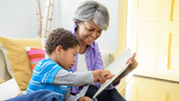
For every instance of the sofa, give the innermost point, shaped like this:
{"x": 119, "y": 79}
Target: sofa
{"x": 15, "y": 62}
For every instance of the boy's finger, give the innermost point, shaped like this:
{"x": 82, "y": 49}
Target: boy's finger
{"x": 99, "y": 80}
{"x": 109, "y": 76}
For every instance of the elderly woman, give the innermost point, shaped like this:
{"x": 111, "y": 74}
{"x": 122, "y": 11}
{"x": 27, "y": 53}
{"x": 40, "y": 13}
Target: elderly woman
{"x": 90, "y": 19}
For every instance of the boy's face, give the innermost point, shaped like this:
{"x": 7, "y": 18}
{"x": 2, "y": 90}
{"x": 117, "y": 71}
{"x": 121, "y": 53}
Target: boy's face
{"x": 67, "y": 58}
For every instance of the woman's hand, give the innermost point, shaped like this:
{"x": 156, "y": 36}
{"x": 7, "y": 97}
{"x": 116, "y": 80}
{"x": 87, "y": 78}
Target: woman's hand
{"x": 132, "y": 65}
{"x": 132, "y": 62}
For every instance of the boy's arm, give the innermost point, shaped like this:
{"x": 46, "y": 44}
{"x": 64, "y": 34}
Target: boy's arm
{"x": 64, "y": 77}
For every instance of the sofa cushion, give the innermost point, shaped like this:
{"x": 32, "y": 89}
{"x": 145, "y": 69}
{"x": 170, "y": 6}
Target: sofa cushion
{"x": 108, "y": 56}
{"x": 35, "y": 55}
{"x": 5, "y": 73}
{"x": 19, "y": 59}
{"x": 1, "y": 80}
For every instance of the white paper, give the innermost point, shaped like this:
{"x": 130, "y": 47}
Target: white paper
{"x": 9, "y": 89}
{"x": 117, "y": 67}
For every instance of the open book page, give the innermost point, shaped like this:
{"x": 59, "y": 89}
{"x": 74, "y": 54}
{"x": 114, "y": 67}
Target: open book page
{"x": 117, "y": 67}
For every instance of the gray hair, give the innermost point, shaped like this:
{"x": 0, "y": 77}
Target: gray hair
{"x": 91, "y": 10}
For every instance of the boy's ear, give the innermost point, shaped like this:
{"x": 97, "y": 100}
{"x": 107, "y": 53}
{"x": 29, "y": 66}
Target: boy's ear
{"x": 59, "y": 49}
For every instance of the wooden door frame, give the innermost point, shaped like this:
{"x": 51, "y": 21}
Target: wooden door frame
{"x": 122, "y": 37}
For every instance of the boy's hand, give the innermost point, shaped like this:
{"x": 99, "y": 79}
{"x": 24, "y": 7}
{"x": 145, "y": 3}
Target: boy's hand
{"x": 105, "y": 75}
{"x": 102, "y": 75}
{"x": 85, "y": 98}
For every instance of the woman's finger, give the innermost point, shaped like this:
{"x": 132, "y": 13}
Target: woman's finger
{"x": 133, "y": 56}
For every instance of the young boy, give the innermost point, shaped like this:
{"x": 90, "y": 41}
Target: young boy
{"x": 53, "y": 73}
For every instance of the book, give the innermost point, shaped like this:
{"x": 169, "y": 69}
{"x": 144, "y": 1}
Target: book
{"x": 117, "y": 67}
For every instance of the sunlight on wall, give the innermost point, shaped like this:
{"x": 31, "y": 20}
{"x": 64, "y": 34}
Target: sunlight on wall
{"x": 128, "y": 43}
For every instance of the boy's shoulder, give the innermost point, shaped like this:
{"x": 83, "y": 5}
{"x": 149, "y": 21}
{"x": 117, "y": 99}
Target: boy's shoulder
{"x": 46, "y": 63}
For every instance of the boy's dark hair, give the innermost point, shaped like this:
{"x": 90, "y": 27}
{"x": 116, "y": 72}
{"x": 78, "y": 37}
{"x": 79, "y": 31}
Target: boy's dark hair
{"x": 62, "y": 37}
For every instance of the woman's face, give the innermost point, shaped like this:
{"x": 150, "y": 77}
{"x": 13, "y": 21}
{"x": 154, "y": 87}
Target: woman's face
{"x": 88, "y": 32}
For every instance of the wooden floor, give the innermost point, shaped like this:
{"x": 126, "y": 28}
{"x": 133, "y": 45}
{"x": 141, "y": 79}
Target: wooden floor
{"x": 148, "y": 89}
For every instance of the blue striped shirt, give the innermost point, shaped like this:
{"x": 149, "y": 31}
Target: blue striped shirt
{"x": 43, "y": 76}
